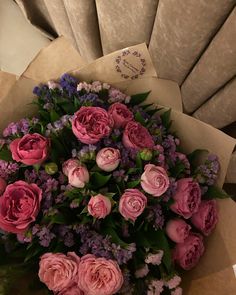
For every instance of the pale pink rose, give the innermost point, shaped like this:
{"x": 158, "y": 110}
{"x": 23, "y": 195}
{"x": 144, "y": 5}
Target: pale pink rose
{"x": 108, "y": 159}
{"x": 178, "y": 291}
{"x": 73, "y": 290}
{"x": 99, "y": 206}
{"x": 59, "y": 271}
{"x": 188, "y": 253}
{"x": 141, "y": 272}
{"x": 99, "y": 276}
{"x": 173, "y": 283}
{"x": 137, "y": 137}
{"x": 155, "y": 180}
{"x": 31, "y": 149}
{"x": 3, "y": 185}
{"x": 132, "y": 204}
{"x": 178, "y": 230}
{"x": 154, "y": 259}
{"x": 19, "y": 206}
{"x": 120, "y": 114}
{"x": 187, "y": 197}
{"x": 70, "y": 165}
{"x": 206, "y": 217}
{"x": 91, "y": 124}
{"x": 78, "y": 176}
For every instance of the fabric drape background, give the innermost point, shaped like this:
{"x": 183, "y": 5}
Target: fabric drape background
{"x": 192, "y": 42}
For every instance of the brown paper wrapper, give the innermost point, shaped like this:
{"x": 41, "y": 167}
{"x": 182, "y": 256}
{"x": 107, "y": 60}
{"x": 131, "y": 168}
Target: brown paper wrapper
{"x": 215, "y": 267}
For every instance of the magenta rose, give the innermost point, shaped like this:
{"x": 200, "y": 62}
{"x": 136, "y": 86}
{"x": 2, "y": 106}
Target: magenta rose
{"x": 137, "y": 137}
{"x": 31, "y": 149}
{"x": 155, "y": 180}
{"x": 120, "y": 114}
{"x": 19, "y": 206}
{"x": 99, "y": 276}
{"x": 3, "y": 185}
{"x": 187, "y": 197}
{"x": 59, "y": 271}
{"x": 178, "y": 230}
{"x": 99, "y": 206}
{"x": 70, "y": 165}
{"x": 206, "y": 217}
{"x": 78, "y": 176}
{"x": 73, "y": 290}
{"x": 90, "y": 124}
{"x": 188, "y": 253}
{"x": 132, "y": 204}
{"x": 108, "y": 159}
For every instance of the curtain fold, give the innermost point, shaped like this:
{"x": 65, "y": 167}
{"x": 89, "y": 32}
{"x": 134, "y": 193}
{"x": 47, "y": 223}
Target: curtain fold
{"x": 181, "y": 31}
{"x": 216, "y": 66}
{"x": 125, "y": 23}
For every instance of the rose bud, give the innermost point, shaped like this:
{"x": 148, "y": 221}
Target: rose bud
{"x": 99, "y": 206}
{"x": 3, "y": 185}
{"x": 108, "y": 159}
{"x": 51, "y": 168}
{"x": 78, "y": 176}
{"x": 69, "y": 165}
{"x": 120, "y": 114}
{"x": 206, "y": 217}
{"x": 177, "y": 230}
{"x": 146, "y": 154}
{"x": 187, "y": 197}
{"x": 31, "y": 149}
{"x": 154, "y": 180}
{"x": 188, "y": 253}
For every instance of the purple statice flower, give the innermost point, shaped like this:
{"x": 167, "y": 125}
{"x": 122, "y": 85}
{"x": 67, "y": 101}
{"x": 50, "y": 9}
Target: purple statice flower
{"x": 43, "y": 92}
{"x": 8, "y": 169}
{"x": 66, "y": 235}
{"x": 115, "y": 95}
{"x": 45, "y": 236}
{"x": 89, "y": 98}
{"x": 169, "y": 145}
{"x": 69, "y": 84}
{"x": 22, "y": 238}
{"x": 123, "y": 255}
{"x": 11, "y": 129}
{"x": 58, "y": 125}
{"x": 19, "y": 128}
{"x": 59, "y": 199}
{"x": 127, "y": 286}
{"x": 37, "y": 90}
{"x": 155, "y": 287}
{"x": 156, "y": 216}
{"x": 207, "y": 173}
{"x": 31, "y": 176}
{"x": 48, "y": 106}
{"x": 120, "y": 175}
{"x": 171, "y": 190}
{"x": 87, "y": 152}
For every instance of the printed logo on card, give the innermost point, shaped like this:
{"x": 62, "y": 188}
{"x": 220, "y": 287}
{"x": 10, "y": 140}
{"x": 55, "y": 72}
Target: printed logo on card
{"x": 130, "y": 64}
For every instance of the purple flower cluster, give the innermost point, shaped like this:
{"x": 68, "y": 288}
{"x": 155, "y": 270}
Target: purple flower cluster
{"x": 44, "y": 234}
{"x": 8, "y": 169}
{"x": 58, "y": 125}
{"x": 66, "y": 235}
{"x": 156, "y": 216}
{"x": 19, "y": 128}
{"x": 69, "y": 84}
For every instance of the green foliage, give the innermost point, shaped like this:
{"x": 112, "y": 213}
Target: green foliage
{"x": 98, "y": 180}
{"x": 195, "y": 156}
{"x": 139, "y": 118}
{"x": 165, "y": 118}
{"x": 133, "y": 184}
{"x": 214, "y": 192}
{"x": 139, "y": 98}
{"x": 5, "y": 154}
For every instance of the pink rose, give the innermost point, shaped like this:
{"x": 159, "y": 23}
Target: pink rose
{"x": 69, "y": 165}
{"x": 132, "y": 204}
{"x": 206, "y": 217}
{"x": 59, "y": 271}
{"x": 73, "y": 290}
{"x": 3, "y": 185}
{"x": 90, "y": 124}
{"x": 19, "y": 206}
{"x": 187, "y": 197}
{"x": 120, "y": 114}
{"x": 188, "y": 253}
{"x": 99, "y": 206}
{"x": 78, "y": 176}
{"x": 31, "y": 149}
{"x": 99, "y": 276}
{"x": 154, "y": 180}
{"x": 178, "y": 230}
{"x": 137, "y": 137}
{"x": 108, "y": 159}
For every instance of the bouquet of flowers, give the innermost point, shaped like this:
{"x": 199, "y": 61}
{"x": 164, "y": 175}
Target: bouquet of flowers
{"x": 97, "y": 193}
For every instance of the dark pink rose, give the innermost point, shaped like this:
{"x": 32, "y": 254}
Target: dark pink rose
{"x": 99, "y": 276}
{"x": 132, "y": 204}
{"x": 137, "y": 137}
{"x": 78, "y": 176}
{"x": 187, "y": 197}
{"x": 31, "y": 149}
{"x": 155, "y": 180}
{"x": 206, "y": 217}
{"x": 120, "y": 114}
{"x": 108, "y": 159}
{"x": 178, "y": 230}
{"x": 58, "y": 271}
{"x": 3, "y": 185}
{"x": 69, "y": 165}
{"x": 19, "y": 206}
{"x": 188, "y": 253}
{"x": 99, "y": 206}
{"x": 90, "y": 124}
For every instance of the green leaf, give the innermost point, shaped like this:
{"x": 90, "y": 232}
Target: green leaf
{"x": 195, "y": 156}
{"x": 133, "y": 184}
{"x": 139, "y": 98}
{"x": 139, "y": 118}
{"x": 114, "y": 236}
{"x": 214, "y": 192}
{"x": 165, "y": 117}
{"x": 98, "y": 180}
{"x": 44, "y": 115}
{"x": 139, "y": 162}
{"x": 151, "y": 112}
{"x": 145, "y": 106}
{"x": 133, "y": 171}
{"x": 176, "y": 170}
{"x": 5, "y": 154}
{"x": 54, "y": 116}
{"x": 55, "y": 219}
